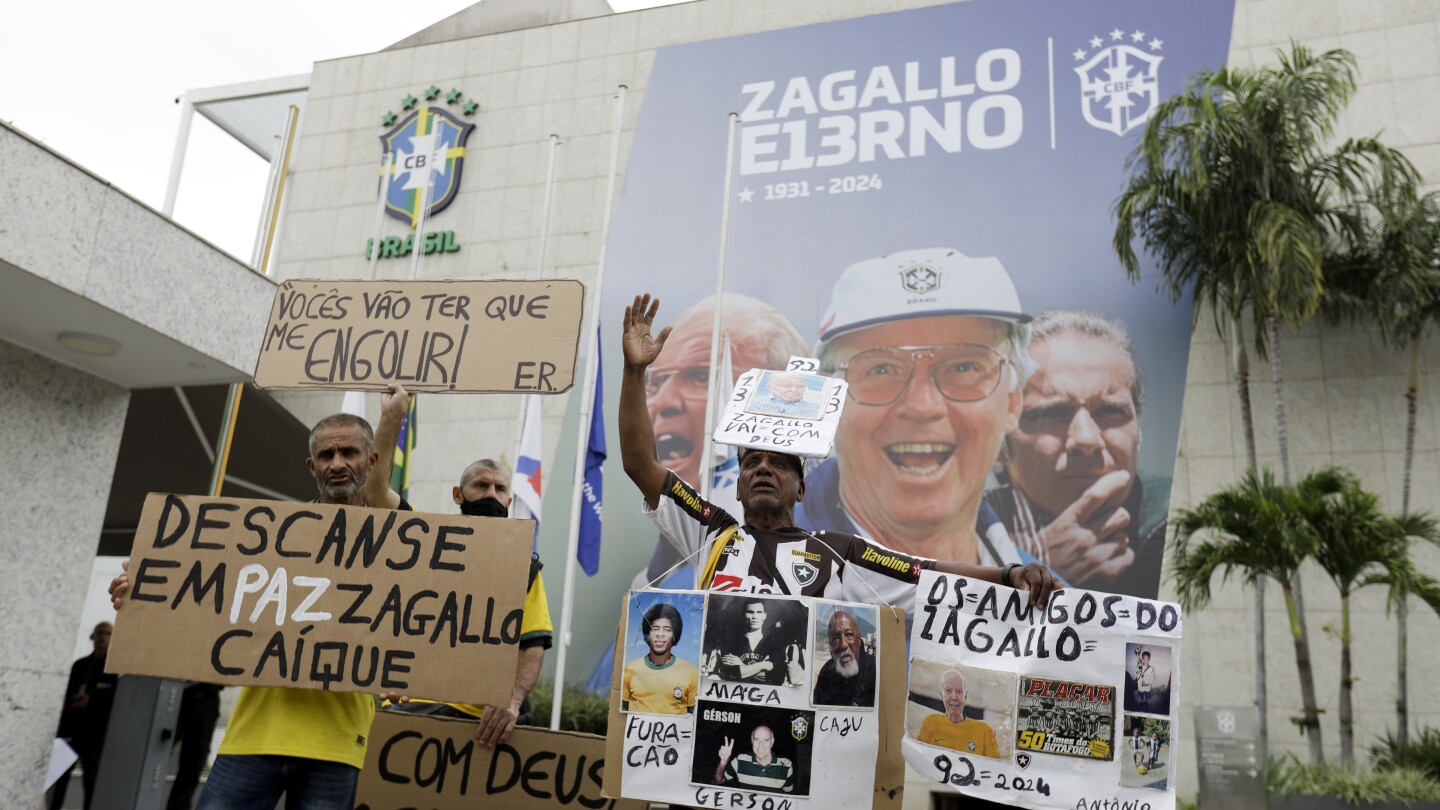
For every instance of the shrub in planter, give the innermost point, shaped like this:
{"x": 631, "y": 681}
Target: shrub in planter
{"x": 1324, "y": 784}
{"x": 1422, "y": 752}
{"x": 582, "y": 710}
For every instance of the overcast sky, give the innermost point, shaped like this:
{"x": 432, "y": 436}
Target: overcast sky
{"x": 97, "y": 82}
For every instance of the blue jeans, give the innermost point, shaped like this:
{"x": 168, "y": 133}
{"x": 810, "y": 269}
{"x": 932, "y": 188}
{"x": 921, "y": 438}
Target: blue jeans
{"x": 257, "y": 782}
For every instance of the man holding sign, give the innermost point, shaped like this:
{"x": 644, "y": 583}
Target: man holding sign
{"x": 484, "y": 491}
{"x": 306, "y": 744}
{"x": 768, "y": 554}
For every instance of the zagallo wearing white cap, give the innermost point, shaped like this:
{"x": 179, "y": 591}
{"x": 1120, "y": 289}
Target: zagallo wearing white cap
{"x": 915, "y": 482}
{"x": 916, "y": 283}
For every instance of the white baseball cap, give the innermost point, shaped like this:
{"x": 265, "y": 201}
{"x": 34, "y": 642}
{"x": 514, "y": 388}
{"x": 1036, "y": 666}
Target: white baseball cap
{"x": 917, "y": 283}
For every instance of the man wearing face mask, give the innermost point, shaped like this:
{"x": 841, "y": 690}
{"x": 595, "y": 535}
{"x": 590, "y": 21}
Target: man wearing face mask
{"x": 484, "y": 491}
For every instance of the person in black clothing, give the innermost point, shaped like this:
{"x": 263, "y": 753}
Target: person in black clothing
{"x": 88, "y": 698}
{"x": 194, "y": 730}
{"x": 848, "y": 678}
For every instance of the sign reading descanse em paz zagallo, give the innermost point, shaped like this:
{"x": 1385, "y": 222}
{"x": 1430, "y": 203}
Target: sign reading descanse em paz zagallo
{"x": 1070, "y": 706}
{"x": 459, "y": 337}
{"x": 436, "y": 763}
{"x": 317, "y": 596}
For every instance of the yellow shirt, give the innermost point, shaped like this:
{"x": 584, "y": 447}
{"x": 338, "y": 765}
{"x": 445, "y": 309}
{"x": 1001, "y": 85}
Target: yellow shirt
{"x": 667, "y": 689}
{"x": 535, "y": 628}
{"x": 969, "y": 736}
{"x": 329, "y": 726}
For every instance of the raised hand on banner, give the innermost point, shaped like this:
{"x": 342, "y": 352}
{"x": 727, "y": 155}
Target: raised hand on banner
{"x": 394, "y": 401}
{"x": 640, "y": 348}
{"x": 119, "y": 585}
{"x": 1087, "y": 543}
{"x": 1035, "y": 578}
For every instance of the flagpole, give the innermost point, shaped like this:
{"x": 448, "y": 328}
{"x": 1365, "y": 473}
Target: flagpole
{"x": 418, "y": 246}
{"x": 380, "y": 212}
{"x": 706, "y": 474}
{"x": 545, "y": 206}
{"x": 587, "y": 405}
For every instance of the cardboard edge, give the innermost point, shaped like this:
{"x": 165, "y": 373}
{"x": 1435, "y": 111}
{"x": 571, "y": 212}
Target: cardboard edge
{"x": 890, "y": 764}
{"x": 615, "y": 731}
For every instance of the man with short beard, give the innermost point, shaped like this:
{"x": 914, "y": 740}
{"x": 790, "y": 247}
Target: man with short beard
{"x": 484, "y": 491}
{"x": 305, "y": 744}
{"x": 848, "y": 678}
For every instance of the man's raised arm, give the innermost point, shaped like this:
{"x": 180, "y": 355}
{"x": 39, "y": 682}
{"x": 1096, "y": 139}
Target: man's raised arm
{"x": 637, "y": 434}
{"x": 393, "y": 406}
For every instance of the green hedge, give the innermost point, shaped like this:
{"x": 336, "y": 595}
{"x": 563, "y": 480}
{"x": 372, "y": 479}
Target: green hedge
{"x": 581, "y": 711}
{"x": 1356, "y": 787}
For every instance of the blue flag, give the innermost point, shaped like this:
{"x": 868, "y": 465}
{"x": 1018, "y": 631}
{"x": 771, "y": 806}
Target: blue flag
{"x": 588, "y": 551}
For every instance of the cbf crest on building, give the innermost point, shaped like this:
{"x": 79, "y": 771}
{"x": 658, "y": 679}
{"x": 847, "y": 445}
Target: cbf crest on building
{"x": 428, "y": 148}
{"x": 1120, "y": 82}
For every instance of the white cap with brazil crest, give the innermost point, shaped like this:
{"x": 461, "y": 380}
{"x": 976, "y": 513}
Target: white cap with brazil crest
{"x": 917, "y": 283}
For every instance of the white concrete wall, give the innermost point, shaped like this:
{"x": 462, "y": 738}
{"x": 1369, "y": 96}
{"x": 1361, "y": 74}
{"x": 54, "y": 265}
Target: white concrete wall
{"x": 1344, "y": 388}
{"x": 1345, "y": 395}
{"x": 61, "y": 432}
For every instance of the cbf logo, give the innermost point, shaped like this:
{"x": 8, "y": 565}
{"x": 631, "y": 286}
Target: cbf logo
{"x": 1120, "y": 83}
{"x": 920, "y": 278}
{"x": 799, "y": 727}
{"x": 428, "y": 148}
{"x": 1226, "y": 720}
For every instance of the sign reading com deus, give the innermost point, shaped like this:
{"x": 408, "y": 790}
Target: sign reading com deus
{"x": 318, "y": 596}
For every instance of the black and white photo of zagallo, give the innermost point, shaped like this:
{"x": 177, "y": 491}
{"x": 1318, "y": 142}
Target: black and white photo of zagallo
{"x": 751, "y": 639}
{"x": 1147, "y": 679}
{"x": 761, "y": 748}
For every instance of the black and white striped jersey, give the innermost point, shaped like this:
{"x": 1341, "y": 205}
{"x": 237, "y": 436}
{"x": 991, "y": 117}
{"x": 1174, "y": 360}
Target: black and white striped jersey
{"x": 832, "y": 565}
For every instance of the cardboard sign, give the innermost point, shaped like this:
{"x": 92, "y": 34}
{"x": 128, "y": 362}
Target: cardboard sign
{"x": 457, "y": 337}
{"x": 793, "y": 411}
{"x": 756, "y": 736}
{"x": 435, "y": 762}
{"x": 1072, "y": 706}
{"x": 317, "y": 596}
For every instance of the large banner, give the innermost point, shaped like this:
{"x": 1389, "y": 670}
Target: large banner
{"x": 923, "y": 200}
{"x": 1070, "y": 706}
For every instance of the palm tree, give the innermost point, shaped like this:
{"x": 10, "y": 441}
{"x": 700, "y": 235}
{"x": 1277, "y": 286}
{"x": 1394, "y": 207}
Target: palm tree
{"x": 1358, "y": 544}
{"x": 1232, "y": 189}
{"x": 1392, "y": 278}
{"x": 1254, "y": 530}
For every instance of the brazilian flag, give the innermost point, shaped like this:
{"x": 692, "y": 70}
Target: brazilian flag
{"x": 404, "y": 447}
